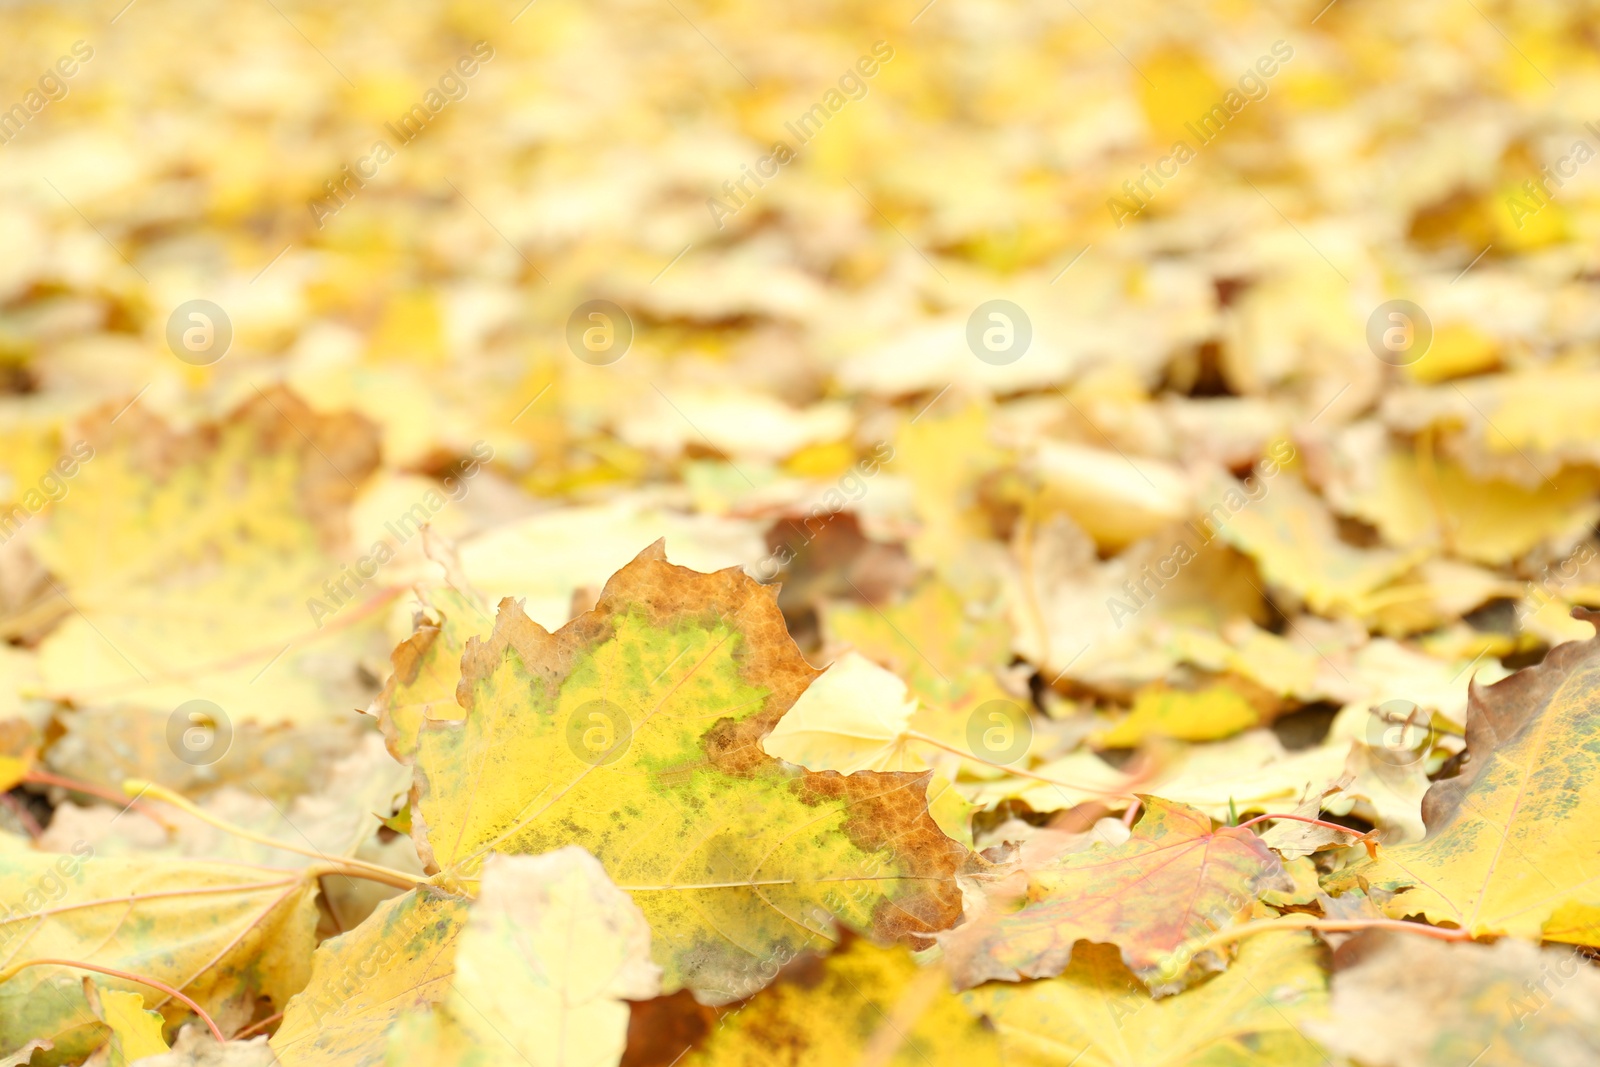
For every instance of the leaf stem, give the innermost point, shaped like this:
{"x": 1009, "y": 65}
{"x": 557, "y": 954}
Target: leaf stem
{"x": 346, "y": 865}
{"x": 1303, "y": 818}
{"x": 1301, "y": 921}
{"x": 38, "y": 777}
{"x": 916, "y": 735}
{"x": 7, "y": 973}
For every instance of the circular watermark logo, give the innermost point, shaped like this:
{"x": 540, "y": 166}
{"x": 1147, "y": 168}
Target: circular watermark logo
{"x": 599, "y": 332}
{"x": 999, "y": 332}
{"x": 199, "y": 732}
{"x": 1399, "y": 332}
{"x": 599, "y": 733}
{"x": 999, "y": 731}
{"x": 1399, "y": 732}
{"x": 199, "y": 332}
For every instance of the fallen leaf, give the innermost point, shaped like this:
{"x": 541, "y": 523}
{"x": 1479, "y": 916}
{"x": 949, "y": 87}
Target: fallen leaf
{"x": 635, "y": 731}
{"x": 1216, "y": 711}
{"x": 135, "y": 1031}
{"x": 1503, "y": 855}
{"x": 247, "y": 932}
{"x": 400, "y": 960}
{"x": 853, "y": 717}
{"x": 862, "y": 1004}
{"x": 224, "y": 534}
{"x": 1175, "y": 880}
{"x": 1097, "y": 1014}
{"x": 549, "y": 955}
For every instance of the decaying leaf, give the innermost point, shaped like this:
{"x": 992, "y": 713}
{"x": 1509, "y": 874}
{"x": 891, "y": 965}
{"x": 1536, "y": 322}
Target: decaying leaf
{"x": 635, "y": 731}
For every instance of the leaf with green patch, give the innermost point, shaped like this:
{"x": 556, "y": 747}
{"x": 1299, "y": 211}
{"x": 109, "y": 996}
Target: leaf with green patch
{"x": 635, "y": 731}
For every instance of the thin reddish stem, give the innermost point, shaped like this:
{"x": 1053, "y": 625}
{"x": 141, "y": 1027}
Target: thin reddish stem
{"x": 153, "y": 983}
{"x": 1305, "y": 819}
{"x": 38, "y": 777}
{"x": 1301, "y": 921}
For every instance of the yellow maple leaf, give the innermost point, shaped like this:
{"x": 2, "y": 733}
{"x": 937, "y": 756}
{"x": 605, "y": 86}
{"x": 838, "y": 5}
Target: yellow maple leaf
{"x": 223, "y": 535}
{"x": 635, "y": 731}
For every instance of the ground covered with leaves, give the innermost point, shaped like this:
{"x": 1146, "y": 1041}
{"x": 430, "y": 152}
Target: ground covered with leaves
{"x": 672, "y": 532}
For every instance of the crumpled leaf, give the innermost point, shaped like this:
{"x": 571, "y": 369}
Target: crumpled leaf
{"x": 1506, "y": 850}
{"x": 635, "y": 731}
{"x": 427, "y": 668}
{"x": 1175, "y": 880}
{"x": 1097, "y": 1014}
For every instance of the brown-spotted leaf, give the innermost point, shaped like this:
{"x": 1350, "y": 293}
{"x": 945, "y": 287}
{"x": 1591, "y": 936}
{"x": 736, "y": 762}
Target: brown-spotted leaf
{"x": 635, "y": 731}
{"x": 1174, "y": 880}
